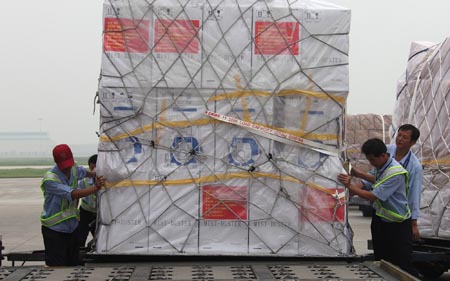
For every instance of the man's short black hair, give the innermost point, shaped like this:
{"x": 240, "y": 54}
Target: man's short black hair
{"x": 415, "y": 133}
{"x": 375, "y": 147}
{"x": 92, "y": 160}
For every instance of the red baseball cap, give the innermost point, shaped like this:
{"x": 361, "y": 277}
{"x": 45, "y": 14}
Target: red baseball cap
{"x": 63, "y": 156}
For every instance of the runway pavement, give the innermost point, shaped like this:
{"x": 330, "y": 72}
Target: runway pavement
{"x": 20, "y": 206}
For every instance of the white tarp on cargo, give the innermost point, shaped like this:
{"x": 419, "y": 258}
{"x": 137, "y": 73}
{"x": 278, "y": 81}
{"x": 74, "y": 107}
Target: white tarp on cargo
{"x": 221, "y": 127}
{"x": 423, "y": 100}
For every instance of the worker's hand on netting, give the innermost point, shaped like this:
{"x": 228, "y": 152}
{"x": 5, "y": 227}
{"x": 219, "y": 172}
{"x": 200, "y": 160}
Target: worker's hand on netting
{"x": 99, "y": 182}
{"x": 344, "y": 179}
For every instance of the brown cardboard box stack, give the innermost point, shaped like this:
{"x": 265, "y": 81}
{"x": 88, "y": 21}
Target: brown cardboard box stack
{"x": 361, "y": 127}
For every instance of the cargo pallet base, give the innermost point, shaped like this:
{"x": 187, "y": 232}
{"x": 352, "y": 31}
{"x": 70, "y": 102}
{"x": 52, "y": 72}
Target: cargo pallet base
{"x": 217, "y": 268}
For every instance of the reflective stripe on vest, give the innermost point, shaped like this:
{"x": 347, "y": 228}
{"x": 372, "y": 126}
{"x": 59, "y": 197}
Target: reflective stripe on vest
{"x": 68, "y": 210}
{"x": 380, "y": 209}
{"x": 88, "y": 207}
{"x": 91, "y": 206}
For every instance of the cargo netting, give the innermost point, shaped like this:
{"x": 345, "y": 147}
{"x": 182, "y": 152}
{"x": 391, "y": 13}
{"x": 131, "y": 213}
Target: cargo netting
{"x": 423, "y": 99}
{"x": 221, "y": 128}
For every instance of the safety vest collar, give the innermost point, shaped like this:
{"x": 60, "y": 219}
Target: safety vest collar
{"x": 388, "y": 173}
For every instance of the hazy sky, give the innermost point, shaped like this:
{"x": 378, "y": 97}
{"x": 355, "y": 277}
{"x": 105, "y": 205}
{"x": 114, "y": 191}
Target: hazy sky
{"x": 50, "y": 59}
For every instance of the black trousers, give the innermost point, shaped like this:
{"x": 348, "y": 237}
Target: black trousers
{"x": 86, "y": 225}
{"x": 392, "y": 241}
{"x": 61, "y": 249}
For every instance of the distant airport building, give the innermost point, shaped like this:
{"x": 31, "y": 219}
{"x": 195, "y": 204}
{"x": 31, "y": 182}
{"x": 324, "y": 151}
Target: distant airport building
{"x": 36, "y": 145}
{"x": 25, "y": 144}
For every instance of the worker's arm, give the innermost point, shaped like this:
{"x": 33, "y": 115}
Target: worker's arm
{"x": 79, "y": 193}
{"x": 415, "y": 230}
{"x": 356, "y": 188}
{"x": 362, "y": 175}
{"x": 415, "y": 187}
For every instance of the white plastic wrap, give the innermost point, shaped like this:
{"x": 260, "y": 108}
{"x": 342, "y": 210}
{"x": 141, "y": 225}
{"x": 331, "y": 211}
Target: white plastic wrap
{"x": 300, "y": 47}
{"x": 227, "y": 27}
{"x": 423, "y": 100}
{"x": 176, "y": 49}
{"x": 126, "y": 60}
{"x": 257, "y": 176}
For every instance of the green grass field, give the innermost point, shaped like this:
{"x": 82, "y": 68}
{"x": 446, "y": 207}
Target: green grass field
{"x": 27, "y": 171}
{"x": 22, "y": 173}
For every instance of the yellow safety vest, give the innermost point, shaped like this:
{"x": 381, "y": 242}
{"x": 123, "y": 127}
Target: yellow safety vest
{"x": 91, "y": 206}
{"x": 68, "y": 209}
{"x": 380, "y": 208}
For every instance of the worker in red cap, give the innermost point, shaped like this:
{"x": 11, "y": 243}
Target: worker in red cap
{"x": 59, "y": 217}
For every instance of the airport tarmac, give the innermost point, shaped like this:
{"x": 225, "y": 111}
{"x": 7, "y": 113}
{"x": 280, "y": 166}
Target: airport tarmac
{"x": 21, "y": 204}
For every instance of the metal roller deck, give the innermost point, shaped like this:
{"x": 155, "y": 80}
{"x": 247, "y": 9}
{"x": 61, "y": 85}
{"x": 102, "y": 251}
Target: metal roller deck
{"x": 217, "y": 271}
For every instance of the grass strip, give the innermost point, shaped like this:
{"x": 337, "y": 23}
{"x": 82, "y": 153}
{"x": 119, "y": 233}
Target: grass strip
{"x": 23, "y": 173}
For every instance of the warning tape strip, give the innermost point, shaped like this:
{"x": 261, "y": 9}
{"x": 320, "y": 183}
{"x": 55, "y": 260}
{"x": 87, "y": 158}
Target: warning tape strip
{"x": 275, "y": 134}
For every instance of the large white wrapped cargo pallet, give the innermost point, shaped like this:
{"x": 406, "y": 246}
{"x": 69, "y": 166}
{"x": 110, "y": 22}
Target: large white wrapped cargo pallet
{"x": 423, "y": 100}
{"x": 221, "y": 128}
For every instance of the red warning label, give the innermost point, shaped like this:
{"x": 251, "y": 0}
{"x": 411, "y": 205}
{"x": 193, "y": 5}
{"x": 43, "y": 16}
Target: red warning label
{"x": 319, "y": 206}
{"x": 176, "y": 36}
{"x": 277, "y": 38}
{"x": 222, "y": 202}
{"x": 126, "y": 35}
